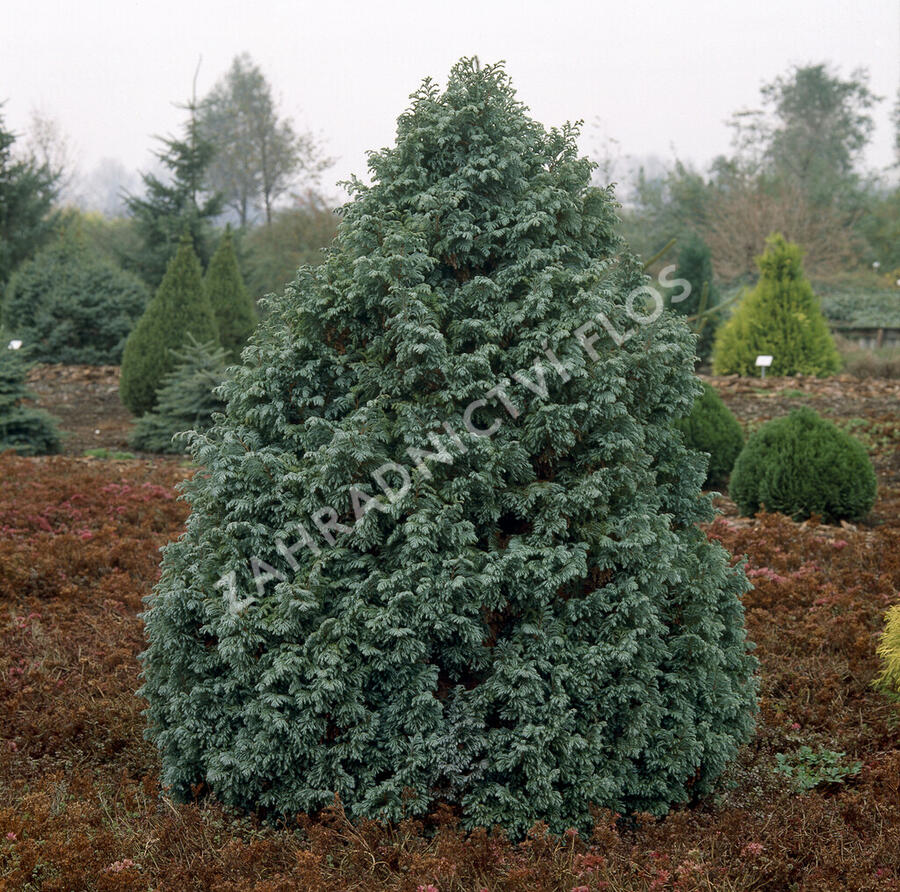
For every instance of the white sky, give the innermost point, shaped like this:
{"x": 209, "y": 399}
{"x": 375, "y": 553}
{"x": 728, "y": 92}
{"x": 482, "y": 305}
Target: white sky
{"x": 659, "y": 76}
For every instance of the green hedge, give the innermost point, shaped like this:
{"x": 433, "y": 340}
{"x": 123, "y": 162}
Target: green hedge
{"x": 802, "y": 465}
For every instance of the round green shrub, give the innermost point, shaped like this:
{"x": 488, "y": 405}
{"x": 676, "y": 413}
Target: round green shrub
{"x": 535, "y": 625}
{"x": 71, "y": 305}
{"x": 802, "y": 465}
{"x": 179, "y": 309}
{"x": 712, "y": 428}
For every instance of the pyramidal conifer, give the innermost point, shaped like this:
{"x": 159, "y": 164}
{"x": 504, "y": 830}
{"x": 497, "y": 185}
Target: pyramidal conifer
{"x": 780, "y": 317}
{"x": 445, "y": 547}
{"x": 232, "y": 304}
{"x": 179, "y": 308}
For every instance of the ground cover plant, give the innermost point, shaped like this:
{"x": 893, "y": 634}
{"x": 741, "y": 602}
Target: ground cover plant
{"x": 81, "y": 802}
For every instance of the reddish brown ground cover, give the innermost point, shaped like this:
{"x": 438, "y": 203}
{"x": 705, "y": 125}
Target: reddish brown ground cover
{"x": 80, "y": 805}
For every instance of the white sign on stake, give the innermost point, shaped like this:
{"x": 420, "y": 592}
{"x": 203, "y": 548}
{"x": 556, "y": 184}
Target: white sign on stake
{"x": 763, "y": 362}
{"x": 15, "y": 345}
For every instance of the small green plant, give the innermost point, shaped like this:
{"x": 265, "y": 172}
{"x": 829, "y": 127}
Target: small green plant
{"x": 808, "y": 769}
{"x": 712, "y": 428}
{"x": 889, "y": 651}
{"x": 109, "y": 454}
{"x": 802, "y": 465}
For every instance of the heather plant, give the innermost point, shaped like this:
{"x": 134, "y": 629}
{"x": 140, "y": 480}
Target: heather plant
{"x": 70, "y": 305}
{"x": 780, "y": 317}
{"x": 179, "y": 309}
{"x": 802, "y": 465}
{"x": 232, "y": 305}
{"x": 186, "y": 401}
{"x": 711, "y": 427}
{"x": 24, "y": 429}
{"x": 445, "y": 545}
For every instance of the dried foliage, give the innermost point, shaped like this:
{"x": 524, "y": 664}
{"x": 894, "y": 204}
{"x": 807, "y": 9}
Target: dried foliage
{"x": 81, "y": 807}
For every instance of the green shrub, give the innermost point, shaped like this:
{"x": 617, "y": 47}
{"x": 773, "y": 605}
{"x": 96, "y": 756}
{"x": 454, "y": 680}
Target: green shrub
{"x": 712, "y": 428}
{"x": 536, "y": 624}
{"x": 70, "y": 305}
{"x": 802, "y": 465}
{"x": 186, "y": 401}
{"x": 232, "y": 305}
{"x": 23, "y": 429}
{"x": 889, "y": 651}
{"x": 781, "y": 317}
{"x": 695, "y": 266}
{"x": 180, "y": 308}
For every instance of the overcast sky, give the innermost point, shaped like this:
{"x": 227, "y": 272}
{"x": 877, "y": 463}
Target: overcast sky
{"x": 661, "y": 77}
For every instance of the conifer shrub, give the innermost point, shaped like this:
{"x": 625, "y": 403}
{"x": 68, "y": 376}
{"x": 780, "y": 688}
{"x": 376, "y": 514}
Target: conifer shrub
{"x": 179, "y": 308}
{"x": 701, "y": 305}
{"x": 780, "y": 317}
{"x": 889, "y": 651}
{"x": 712, "y": 428}
{"x": 802, "y": 465}
{"x": 445, "y": 546}
{"x": 70, "y": 305}
{"x": 186, "y": 401}
{"x": 232, "y": 304}
{"x": 24, "y": 429}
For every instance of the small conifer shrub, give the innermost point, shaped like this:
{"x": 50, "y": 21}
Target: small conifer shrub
{"x": 780, "y": 317}
{"x": 187, "y": 400}
{"x": 70, "y": 305}
{"x": 712, "y": 428}
{"x": 25, "y": 430}
{"x": 232, "y": 304}
{"x": 179, "y": 308}
{"x": 802, "y": 465}
{"x": 429, "y": 560}
{"x": 889, "y": 651}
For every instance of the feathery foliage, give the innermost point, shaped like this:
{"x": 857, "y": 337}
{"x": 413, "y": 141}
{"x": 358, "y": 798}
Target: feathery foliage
{"x": 781, "y": 316}
{"x": 232, "y": 305}
{"x": 535, "y": 623}
{"x": 23, "y": 429}
{"x": 186, "y": 401}
{"x": 889, "y": 651}
{"x": 802, "y": 465}
{"x": 711, "y": 427}
{"x": 70, "y": 305}
{"x": 179, "y": 308}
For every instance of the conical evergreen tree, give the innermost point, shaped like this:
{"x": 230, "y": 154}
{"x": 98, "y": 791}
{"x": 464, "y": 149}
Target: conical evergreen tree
{"x": 695, "y": 266}
{"x": 186, "y": 401}
{"x": 780, "y": 317}
{"x": 430, "y": 560}
{"x": 179, "y": 308}
{"x": 25, "y": 430}
{"x": 232, "y": 305}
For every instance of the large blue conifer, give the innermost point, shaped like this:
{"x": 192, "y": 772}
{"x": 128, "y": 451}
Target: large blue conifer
{"x": 446, "y": 543}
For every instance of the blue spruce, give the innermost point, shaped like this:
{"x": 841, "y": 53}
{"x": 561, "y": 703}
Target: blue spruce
{"x": 445, "y": 546}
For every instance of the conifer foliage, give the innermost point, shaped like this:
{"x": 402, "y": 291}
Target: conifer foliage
{"x": 780, "y": 317}
{"x": 24, "y": 429}
{"x": 186, "y": 401}
{"x": 445, "y": 547}
{"x": 179, "y": 308}
{"x": 232, "y": 305}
